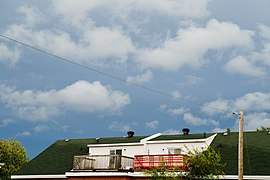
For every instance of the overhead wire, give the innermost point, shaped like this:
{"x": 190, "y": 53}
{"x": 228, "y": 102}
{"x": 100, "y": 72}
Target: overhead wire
{"x": 110, "y": 75}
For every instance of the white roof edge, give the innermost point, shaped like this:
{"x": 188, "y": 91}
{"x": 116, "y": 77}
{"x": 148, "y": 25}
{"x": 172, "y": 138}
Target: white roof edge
{"x": 37, "y": 176}
{"x": 183, "y": 140}
{"x": 134, "y": 174}
{"x": 141, "y": 174}
{"x": 258, "y": 177}
{"x": 150, "y": 137}
{"x": 112, "y": 145}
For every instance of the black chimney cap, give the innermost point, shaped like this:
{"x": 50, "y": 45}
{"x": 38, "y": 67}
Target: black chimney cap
{"x": 185, "y": 131}
{"x": 130, "y": 133}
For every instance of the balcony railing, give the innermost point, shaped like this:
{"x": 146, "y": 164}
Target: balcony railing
{"x": 103, "y": 162}
{"x": 170, "y": 161}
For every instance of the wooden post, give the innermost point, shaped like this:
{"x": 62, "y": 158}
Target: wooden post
{"x": 240, "y": 146}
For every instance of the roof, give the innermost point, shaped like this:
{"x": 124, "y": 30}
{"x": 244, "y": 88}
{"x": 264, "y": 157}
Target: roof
{"x": 256, "y": 152}
{"x": 181, "y": 137}
{"x": 58, "y": 158}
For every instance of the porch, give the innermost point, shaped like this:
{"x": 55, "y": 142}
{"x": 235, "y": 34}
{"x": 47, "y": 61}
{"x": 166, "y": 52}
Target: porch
{"x": 103, "y": 163}
{"x": 170, "y": 161}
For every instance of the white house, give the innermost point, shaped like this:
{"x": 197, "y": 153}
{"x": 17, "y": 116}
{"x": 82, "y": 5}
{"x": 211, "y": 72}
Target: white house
{"x": 151, "y": 146}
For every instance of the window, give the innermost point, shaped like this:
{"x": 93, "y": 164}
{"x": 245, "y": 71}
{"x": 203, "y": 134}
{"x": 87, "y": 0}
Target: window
{"x": 174, "y": 150}
{"x": 116, "y": 152}
{"x": 115, "y": 161}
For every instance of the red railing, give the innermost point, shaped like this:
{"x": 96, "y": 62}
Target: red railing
{"x": 169, "y": 161}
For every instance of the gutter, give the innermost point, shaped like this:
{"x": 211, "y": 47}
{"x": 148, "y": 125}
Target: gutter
{"x": 38, "y": 176}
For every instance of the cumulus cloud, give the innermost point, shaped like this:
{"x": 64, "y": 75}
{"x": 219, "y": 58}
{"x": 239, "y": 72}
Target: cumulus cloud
{"x": 6, "y": 122}
{"x": 9, "y": 56}
{"x": 240, "y": 65}
{"x": 81, "y": 96}
{"x": 190, "y": 45}
{"x": 189, "y": 79}
{"x": 196, "y": 121}
{"x": 256, "y": 101}
{"x": 93, "y": 46}
{"x": 256, "y": 120}
{"x": 24, "y": 133}
{"x": 141, "y": 79}
{"x": 171, "y": 131}
{"x": 31, "y": 15}
{"x": 121, "y": 126}
{"x": 41, "y": 128}
{"x": 185, "y": 8}
{"x": 176, "y": 94}
{"x": 264, "y": 31}
{"x": 152, "y": 124}
{"x": 176, "y": 111}
{"x": 173, "y": 111}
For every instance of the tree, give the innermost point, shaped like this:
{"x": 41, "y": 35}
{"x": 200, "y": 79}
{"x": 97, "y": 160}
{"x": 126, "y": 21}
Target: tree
{"x": 263, "y": 129}
{"x": 13, "y": 155}
{"x": 202, "y": 165}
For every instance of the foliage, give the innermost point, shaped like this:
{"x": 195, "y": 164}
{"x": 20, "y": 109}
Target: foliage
{"x": 163, "y": 172}
{"x": 202, "y": 165}
{"x": 263, "y": 129}
{"x": 13, "y": 155}
{"x": 228, "y": 130}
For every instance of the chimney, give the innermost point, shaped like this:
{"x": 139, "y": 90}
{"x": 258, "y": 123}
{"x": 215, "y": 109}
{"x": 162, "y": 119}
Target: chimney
{"x": 130, "y": 134}
{"x": 185, "y": 131}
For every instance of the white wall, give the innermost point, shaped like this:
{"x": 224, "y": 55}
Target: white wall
{"x": 126, "y": 150}
{"x": 151, "y": 147}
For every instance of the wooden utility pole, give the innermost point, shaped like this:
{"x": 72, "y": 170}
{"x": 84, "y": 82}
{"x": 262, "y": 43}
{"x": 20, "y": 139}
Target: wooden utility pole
{"x": 241, "y": 146}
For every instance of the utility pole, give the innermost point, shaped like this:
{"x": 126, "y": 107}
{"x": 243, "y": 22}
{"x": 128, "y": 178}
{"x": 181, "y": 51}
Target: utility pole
{"x": 241, "y": 146}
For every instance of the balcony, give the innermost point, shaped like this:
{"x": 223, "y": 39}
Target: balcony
{"x": 103, "y": 163}
{"x": 170, "y": 161}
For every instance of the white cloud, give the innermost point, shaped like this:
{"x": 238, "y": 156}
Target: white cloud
{"x": 176, "y": 94}
{"x": 190, "y": 45}
{"x": 176, "y": 111}
{"x": 263, "y": 55}
{"x": 81, "y": 96}
{"x": 213, "y": 107}
{"x": 152, "y": 124}
{"x": 171, "y": 131}
{"x": 218, "y": 130}
{"x": 240, "y": 65}
{"x": 41, "y": 128}
{"x": 141, "y": 79}
{"x": 189, "y": 79}
{"x": 256, "y": 120}
{"x": 264, "y": 31}
{"x": 196, "y": 121}
{"x": 8, "y": 55}
{"x": 24, "y": 133}
{"x": 121, "y": 126}
{"x": 185, "y": 8}
{"x": 256, "y": 101}
{"x": 6, "y": 122}
{"x": 93, "y": 47}
{"x": 173, "y": 111}
{"x": 31, "y": 15}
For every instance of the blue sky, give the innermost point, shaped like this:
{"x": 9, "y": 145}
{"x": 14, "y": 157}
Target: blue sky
{"x": 207, "y": 58}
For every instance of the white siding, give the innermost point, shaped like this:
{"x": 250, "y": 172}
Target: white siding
{"x": 151, "y": 147}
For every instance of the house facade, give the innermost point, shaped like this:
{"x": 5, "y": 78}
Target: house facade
{"x": 127, "y": 157}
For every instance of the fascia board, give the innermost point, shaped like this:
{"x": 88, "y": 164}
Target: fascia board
{"x": 38, "y": 176}
{"x": 181, "y": 140}
{"x": 115, "y": 145}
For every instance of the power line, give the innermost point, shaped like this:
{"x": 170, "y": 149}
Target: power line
{"x": 110, "y": 75}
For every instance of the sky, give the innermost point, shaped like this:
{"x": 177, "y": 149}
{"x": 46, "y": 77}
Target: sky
{"x": 99, "y": 68}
